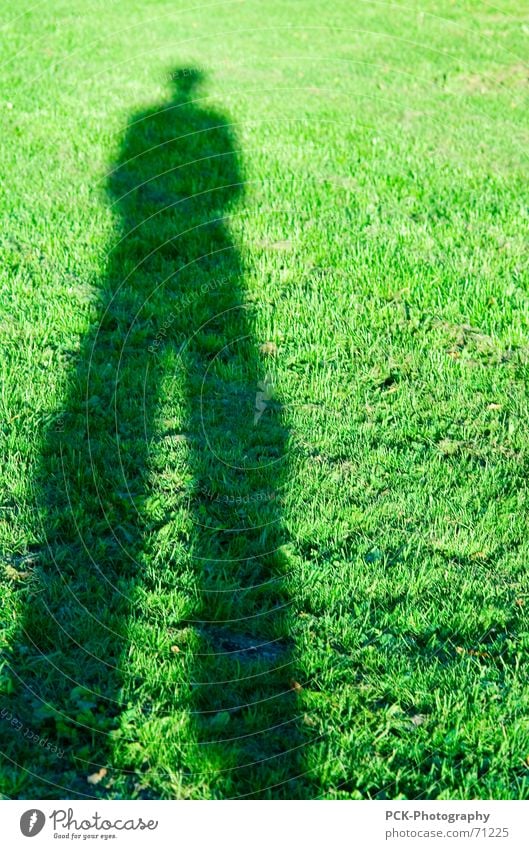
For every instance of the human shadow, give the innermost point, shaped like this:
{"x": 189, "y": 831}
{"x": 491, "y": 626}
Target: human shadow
{"x": 162, "y": 590}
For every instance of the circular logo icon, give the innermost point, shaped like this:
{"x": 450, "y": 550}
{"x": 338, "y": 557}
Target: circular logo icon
{"x": 32, "y": 822}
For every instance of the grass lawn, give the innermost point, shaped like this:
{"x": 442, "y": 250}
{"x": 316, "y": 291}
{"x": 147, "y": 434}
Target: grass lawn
{"x": 264, "y": 447}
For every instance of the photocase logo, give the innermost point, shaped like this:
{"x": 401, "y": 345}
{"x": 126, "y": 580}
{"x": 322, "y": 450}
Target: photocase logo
{"x": 32, "y": 822}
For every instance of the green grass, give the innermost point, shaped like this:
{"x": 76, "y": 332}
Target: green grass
{"x": 328, "y": 207}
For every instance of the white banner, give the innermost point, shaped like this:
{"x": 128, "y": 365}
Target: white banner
{"x": 249, "y": 824}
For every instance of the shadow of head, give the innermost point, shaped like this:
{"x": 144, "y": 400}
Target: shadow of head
{"x": 186, "y": 80}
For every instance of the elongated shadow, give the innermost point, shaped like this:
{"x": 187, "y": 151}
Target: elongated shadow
{"x": 192, "y": 540}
